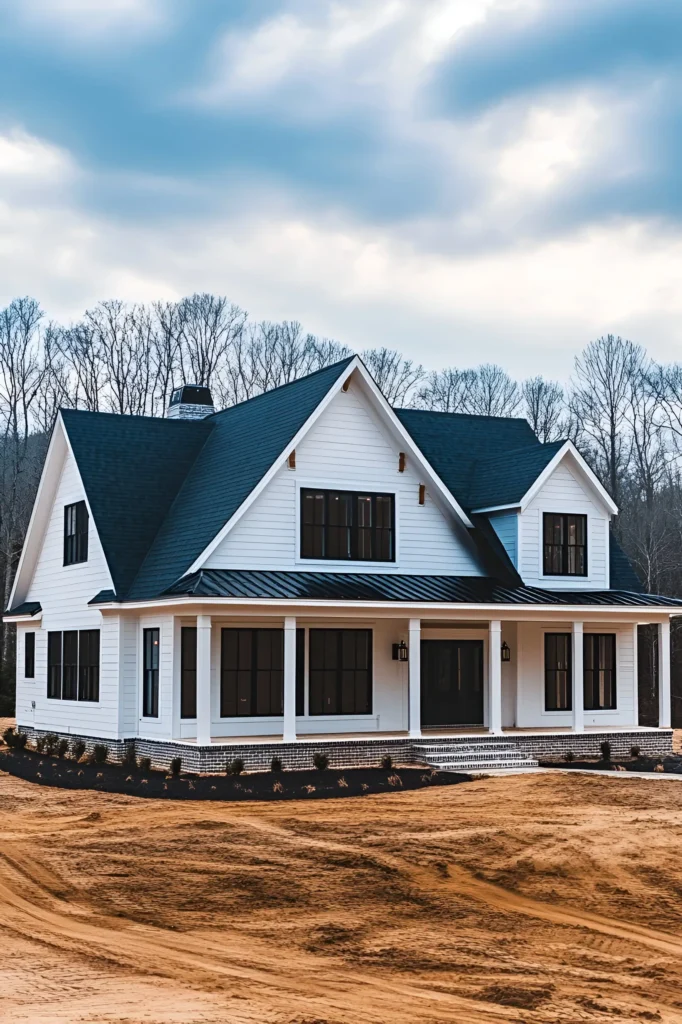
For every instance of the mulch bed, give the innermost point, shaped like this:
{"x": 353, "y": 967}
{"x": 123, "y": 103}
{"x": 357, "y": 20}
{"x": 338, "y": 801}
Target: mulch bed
{"x": 672, "y": 764}
{"x": 295, "y": 785}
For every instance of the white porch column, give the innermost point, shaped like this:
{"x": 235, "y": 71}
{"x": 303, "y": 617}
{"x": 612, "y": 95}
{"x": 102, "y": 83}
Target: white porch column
{"x": 578, "y": 687}
{"x": 664, "y": 709}
{"x": 203, "y": 679}
{"x": 289, "y": 730}
{"x": 495, "y": 677}
{"x": 635, "y": 675}
{"x": 414, "y": 677}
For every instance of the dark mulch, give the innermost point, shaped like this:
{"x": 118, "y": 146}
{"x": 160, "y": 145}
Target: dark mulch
{"x": 672, "y": 764}
{"x": 296, "y": 785}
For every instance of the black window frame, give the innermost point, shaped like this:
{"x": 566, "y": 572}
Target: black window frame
{"x": 339, "y": 680}
{"x": 151, "y": 650}
{"x": 553, "y": 670}
{"x": 81, "y": 682}
{"x": 564, "y": 553}
{"x": 251, "y": 672}
{"x": 188, "y": 672}
{"x": 595, "y": 643}
{"x": 29, "y": 655}
{"x": 76, "y": 528}
{"x": 322, "y": 529}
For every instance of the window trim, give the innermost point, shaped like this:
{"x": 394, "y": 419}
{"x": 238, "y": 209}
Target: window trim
{"x": 564, "y": 575}
{"x": 343, "y": 488}
{"x": 77, "y": 699}
{"x": 29, "y": 654}
{"x": 80, "y": 537}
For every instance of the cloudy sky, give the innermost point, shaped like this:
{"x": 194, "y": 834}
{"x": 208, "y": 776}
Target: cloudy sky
{"x": 464, "y": 180}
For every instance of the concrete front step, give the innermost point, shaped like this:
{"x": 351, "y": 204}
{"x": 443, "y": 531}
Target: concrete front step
{"x": 478, "y": 766}
{"x": 468, "y": 755}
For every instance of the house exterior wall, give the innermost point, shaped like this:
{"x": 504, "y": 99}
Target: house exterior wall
{"x": 64, "y": 592}
{"x": 349, "y": 449}
{"x": 564, "y": 492}
{"x": 530, "y": 671}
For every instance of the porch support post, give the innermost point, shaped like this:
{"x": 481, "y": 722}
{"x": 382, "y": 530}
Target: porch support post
{"x": 203, "y": 679}
{"x": 414, "y": 677}
{"x": 495, "y": 677}
{"x": 578, "y": 689}
{"x": 635, "y": 674}
{"x": 664, "y": 709}
{"x": 289, "y": 730}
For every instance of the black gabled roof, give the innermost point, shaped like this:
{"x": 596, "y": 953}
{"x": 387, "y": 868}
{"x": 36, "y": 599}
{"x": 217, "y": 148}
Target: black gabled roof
{"x": 503, "y": 479}
{"x": 26, "y": 608}
{"x": 459, "y": 446}
{"x": 341, "y": 586}
{"x": 241, "y": 445}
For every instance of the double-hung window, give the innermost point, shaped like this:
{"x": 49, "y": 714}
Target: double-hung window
{"x": 150, "y": 673}
{"x": 251, "y": 672}
{"x": 29, "y": 655}
{"x": 564, "y": 545}
{"x": 599, "y": 665}
{"x": 73, "y": 665}
{"x": 347, "y": 526}
{"x": 340, "y": 669}
{"x": 75, "y": 533}
{"x": 558, "y": 682}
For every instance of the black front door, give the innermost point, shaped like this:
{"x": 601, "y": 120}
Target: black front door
{"x": 452, "y": 682}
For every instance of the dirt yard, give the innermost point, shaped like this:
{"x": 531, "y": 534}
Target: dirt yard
{"x": 550, "y": 898}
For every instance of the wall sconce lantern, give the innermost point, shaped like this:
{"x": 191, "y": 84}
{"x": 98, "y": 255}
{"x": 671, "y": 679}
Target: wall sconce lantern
{"x": 400, "y": 651}
{"x": 506, "y": 652}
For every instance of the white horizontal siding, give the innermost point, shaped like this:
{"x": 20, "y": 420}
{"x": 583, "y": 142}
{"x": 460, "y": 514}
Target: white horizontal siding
{"x": 507, "y": 527}
{"x": 347, "y": 448}
{"x": 64, "y": 592}
{"x": 564, "y": 492}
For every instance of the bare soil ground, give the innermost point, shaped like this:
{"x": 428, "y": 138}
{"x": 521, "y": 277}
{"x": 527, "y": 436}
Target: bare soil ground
{"x": 536, "y": 898}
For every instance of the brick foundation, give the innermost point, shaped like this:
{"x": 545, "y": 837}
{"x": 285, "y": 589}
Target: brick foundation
{"x": 365, "y": 752}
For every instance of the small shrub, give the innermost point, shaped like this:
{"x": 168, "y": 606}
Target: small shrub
{"x": 387, "y": 762}
{"x": 342, "y": 783}
{"x": 77, "y": 749}
{"x": 20, "y": 740}
{"x": 176, "y": 766}
{"x": 635, "y": 750}
{"x": 40, "y": 744}
{"x": 145, "y": 764}
{"x": 321, "y": 761}
{"x": 569, "y": 756}
{"x": 277, "y": 787}
{"x": 236, "y": 767}
{"x": 62, "y": 748}
{"x": 605, "y": 748}
{"x": 659, "y": 768}
{"x": 276, "y": 764}
{"x": 129, "y": 759}
{"x": 394, "y": 780}
{"x": 100, "y": 752}
{"x": 9, "y": 736}
{"x": 51, "y": 741}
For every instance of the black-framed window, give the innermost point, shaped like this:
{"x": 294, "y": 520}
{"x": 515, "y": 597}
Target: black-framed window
{"x": 75, "y": 533}
{"x": 151, "y": 642}
{"x": 564, "y": 544}
{"x": 73, "y": 665}
{"x": 188, "y": 672}
{"x": 347, "y": 525}
{"x": 558, "y": 662}
{"x": 599, "y": 667}
{"x": 29, "y": 655}
{"x": 251, "y": 672}
{"x": 340, "y": 671}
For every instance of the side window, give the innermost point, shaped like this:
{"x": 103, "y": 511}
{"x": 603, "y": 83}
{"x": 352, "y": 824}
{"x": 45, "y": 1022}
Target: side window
{"x": 564, "y": 544}
{"x": 75, "y": 533}
{"x": 150, "y": 673}
{"x": 73, "y": 665}
{"x": 558, "y": 671}
{"x": 29, "y": 655}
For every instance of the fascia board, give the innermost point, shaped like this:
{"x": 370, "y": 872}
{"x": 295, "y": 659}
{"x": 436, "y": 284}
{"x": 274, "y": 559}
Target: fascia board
{"x": 570, "y": 449}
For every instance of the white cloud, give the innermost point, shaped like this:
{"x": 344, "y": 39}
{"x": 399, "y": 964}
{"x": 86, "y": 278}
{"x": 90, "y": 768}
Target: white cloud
{"x": 26, "y": 158}
{"x": 76, "y": 21}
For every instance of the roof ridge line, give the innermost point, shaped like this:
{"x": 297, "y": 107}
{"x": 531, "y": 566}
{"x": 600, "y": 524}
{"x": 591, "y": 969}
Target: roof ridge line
{"x": 281, "y": 387}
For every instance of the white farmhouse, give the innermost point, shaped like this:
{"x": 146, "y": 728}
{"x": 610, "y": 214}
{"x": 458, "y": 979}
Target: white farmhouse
{"x": 314, "y": 569}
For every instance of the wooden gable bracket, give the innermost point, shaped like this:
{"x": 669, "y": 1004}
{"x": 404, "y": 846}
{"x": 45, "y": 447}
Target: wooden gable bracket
{"x": 291, "y": 461}
{"x": 401, "y": 462}
{"x": 422, "y": 494}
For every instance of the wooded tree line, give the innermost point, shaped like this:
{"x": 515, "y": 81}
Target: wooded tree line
{"x": 622, "y": 409}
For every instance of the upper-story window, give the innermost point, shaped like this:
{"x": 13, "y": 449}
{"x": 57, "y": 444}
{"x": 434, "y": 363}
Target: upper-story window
{"x": 347, "y": 525}
{"x": 75, "y": 533}
{"x": 565, "y": 545}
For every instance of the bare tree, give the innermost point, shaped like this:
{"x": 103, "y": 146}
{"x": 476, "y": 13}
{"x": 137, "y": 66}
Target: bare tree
{"x": 545, "y": 408}
{"x": 395, "y": 376}
{"x": 493, "y": 392}
{"x": 208, "y": 325}
{"x": 446, "y": 390}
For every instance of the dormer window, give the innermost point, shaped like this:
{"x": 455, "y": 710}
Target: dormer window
{"x": 565, "y": 545}
{"x": 347, "y": 526}
{"x": 75, "y": 533}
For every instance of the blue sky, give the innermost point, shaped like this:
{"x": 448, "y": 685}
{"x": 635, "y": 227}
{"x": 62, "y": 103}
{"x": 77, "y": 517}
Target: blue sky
{"x": 464, "y": 180}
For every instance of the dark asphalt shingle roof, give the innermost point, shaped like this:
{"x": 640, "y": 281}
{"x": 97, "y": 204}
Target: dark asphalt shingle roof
{"x": 341, "y": 586}
{"x": 460, "y": 446}
{"x": 26, "y": 608}
{"x": 622, "y": 576}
